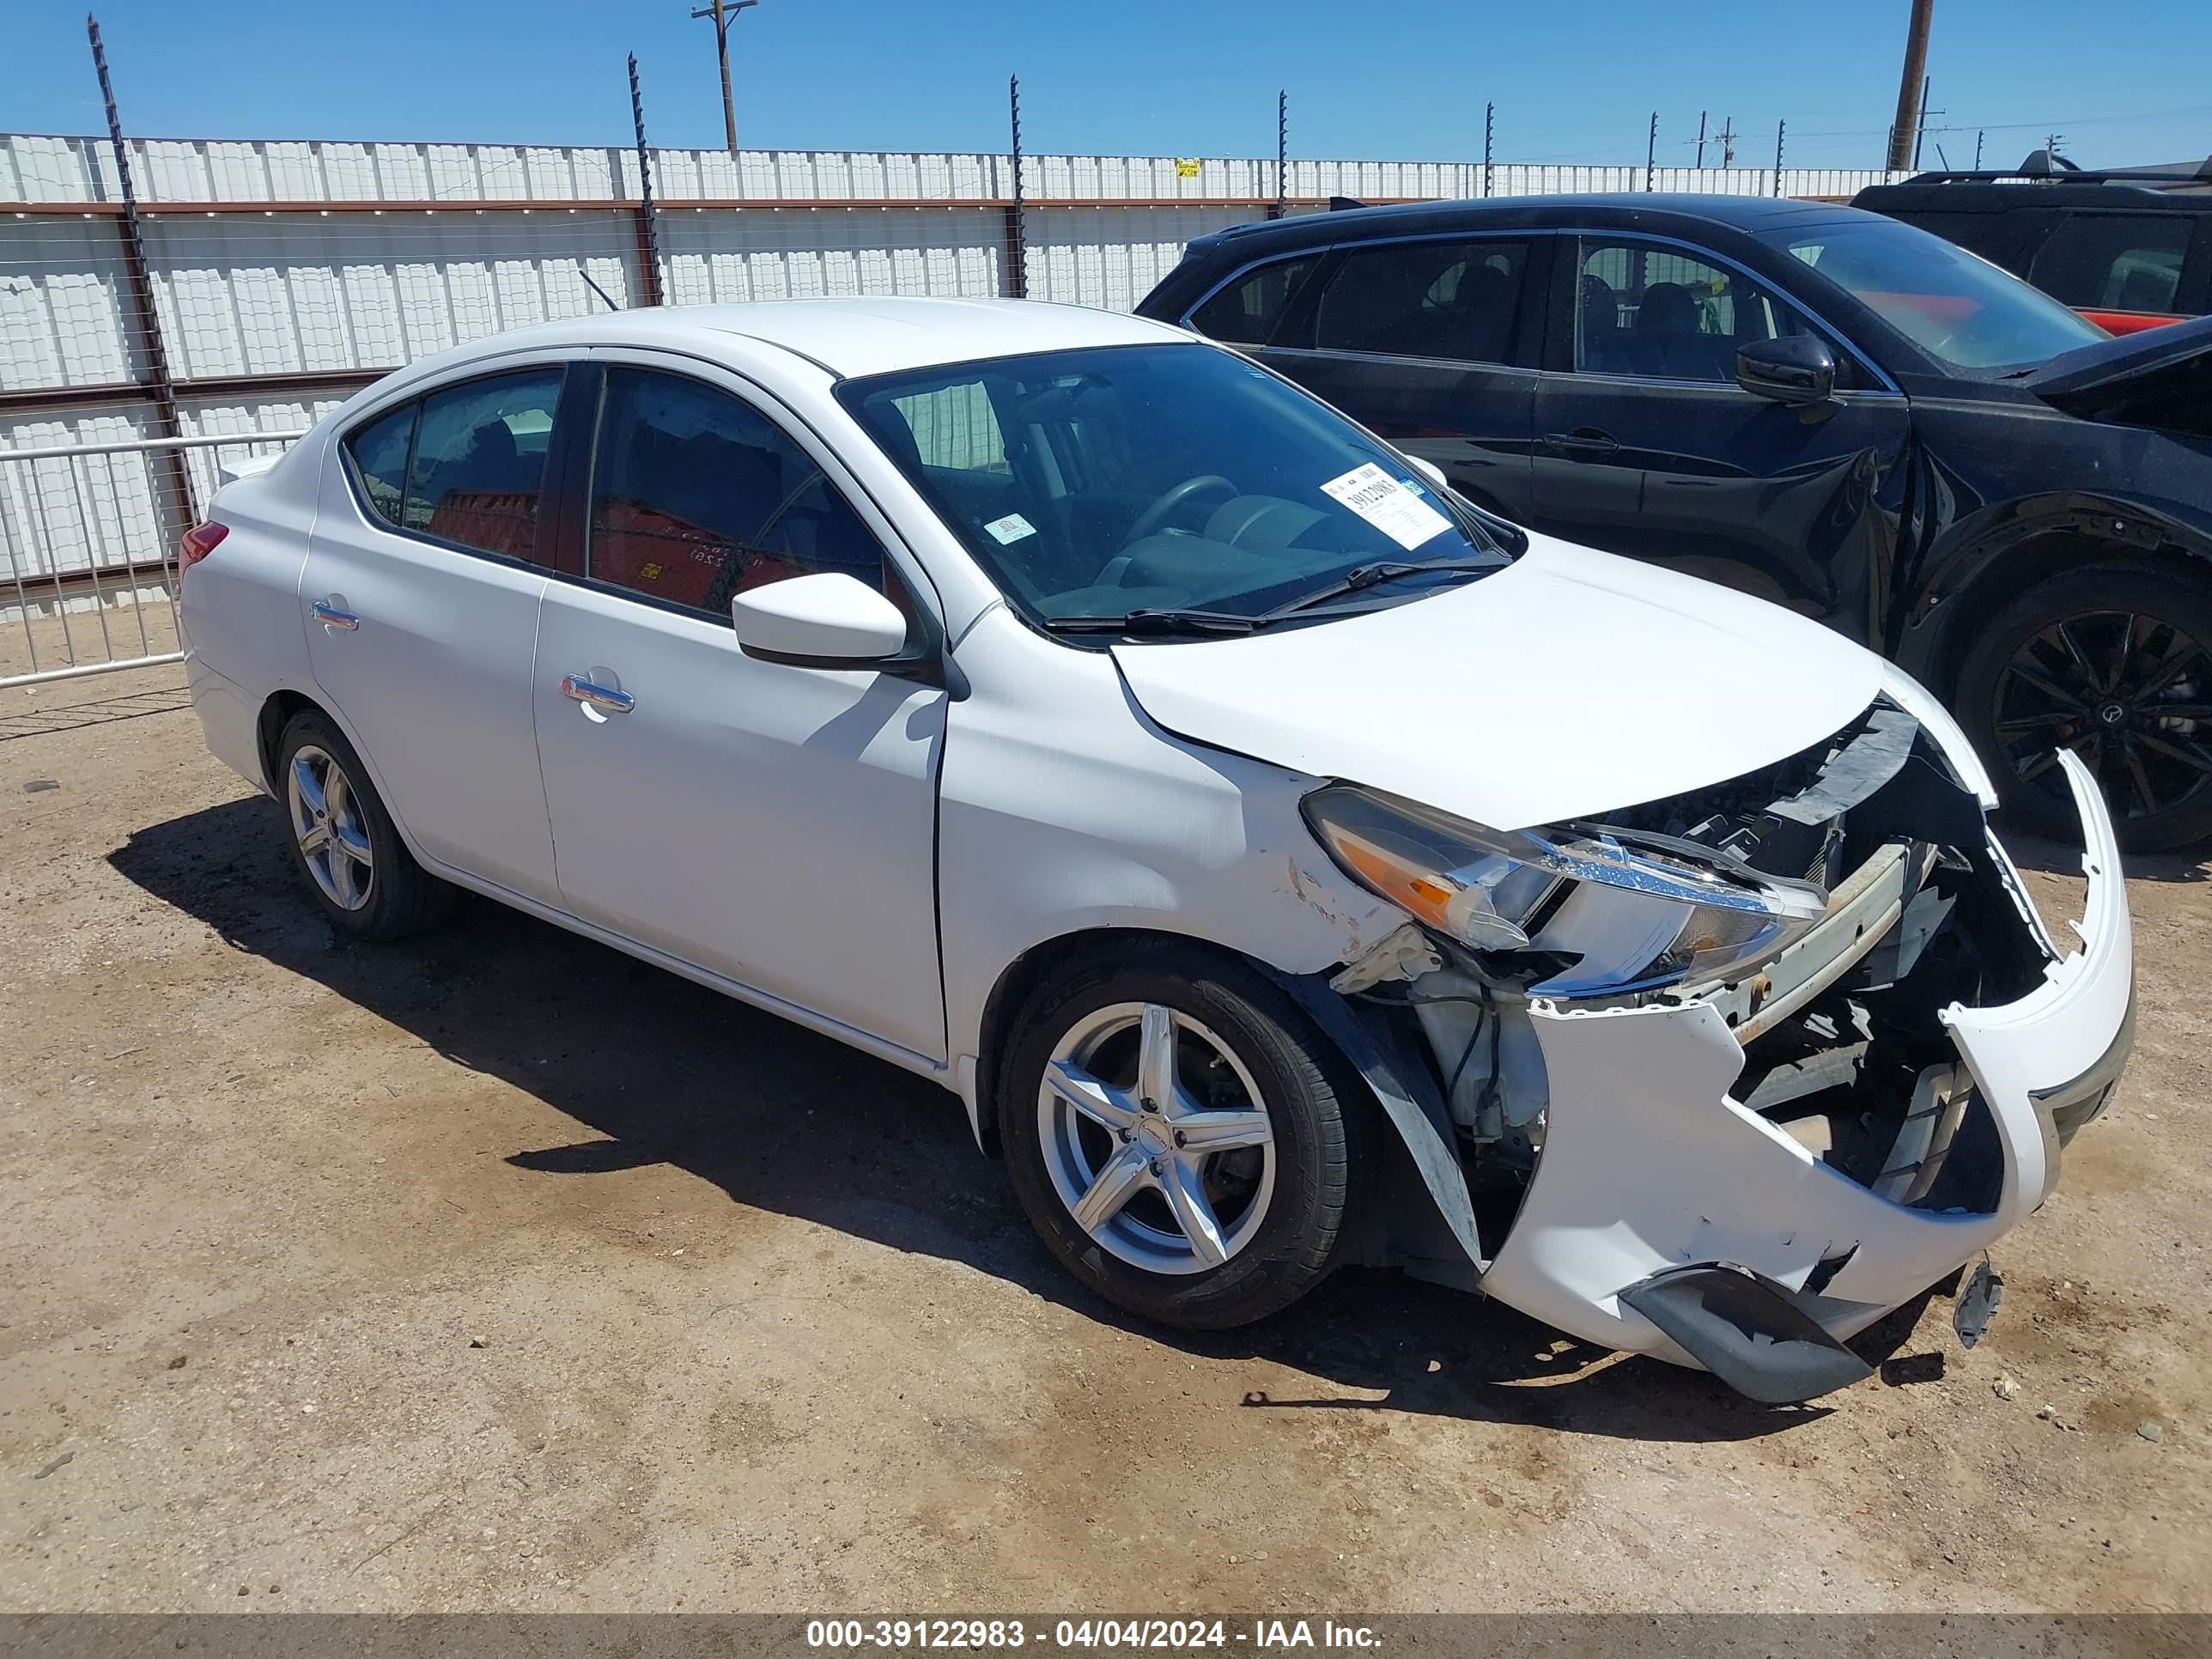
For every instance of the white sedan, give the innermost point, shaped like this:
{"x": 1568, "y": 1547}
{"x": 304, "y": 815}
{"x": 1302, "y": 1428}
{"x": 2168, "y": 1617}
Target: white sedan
{"x": 1286, "y": 864}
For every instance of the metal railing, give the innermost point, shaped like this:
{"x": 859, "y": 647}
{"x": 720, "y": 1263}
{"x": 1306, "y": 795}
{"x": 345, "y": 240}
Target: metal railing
{"x": 89, "y": 534}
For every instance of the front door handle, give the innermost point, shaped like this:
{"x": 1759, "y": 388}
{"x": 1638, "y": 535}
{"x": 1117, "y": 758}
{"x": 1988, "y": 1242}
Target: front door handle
{"x": 593, "y": 695}
{"x": 1587, "y": 444}
{"x": 332, "y": 614}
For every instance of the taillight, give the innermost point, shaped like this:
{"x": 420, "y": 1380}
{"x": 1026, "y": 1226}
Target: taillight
{"x": 199, "y": 541}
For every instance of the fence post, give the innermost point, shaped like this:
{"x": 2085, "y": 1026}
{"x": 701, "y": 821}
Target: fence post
{"x": 1282, "y": 154}
{"x": 1651, "y": 154}
{"x": 1489, "y": 128}
{"x": 1701, "y": 141}
{"x": 1779, "y": 127}
{"x": 1017, "y": 275}
{"x": 647, "y": 217}
{"x": 163, "y": 387}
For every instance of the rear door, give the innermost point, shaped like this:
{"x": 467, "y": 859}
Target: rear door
{"x": 424, "y": 572}
{"x": 1430, "y": 342}
{"x": 1646, "y": 446}
{"x": 771, "y": 823}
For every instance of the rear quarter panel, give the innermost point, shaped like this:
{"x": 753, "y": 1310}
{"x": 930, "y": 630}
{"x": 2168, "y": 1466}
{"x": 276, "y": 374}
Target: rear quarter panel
{"x": 239, "y": 608}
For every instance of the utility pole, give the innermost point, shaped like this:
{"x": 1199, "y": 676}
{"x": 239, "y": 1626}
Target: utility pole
{"x": 1726, "y": 138}
{"x": 1915, "y": 66}
{"x": 1701, "y": 141}
{"x": 725, "y": 12}
{"x": 1650, "y": 152}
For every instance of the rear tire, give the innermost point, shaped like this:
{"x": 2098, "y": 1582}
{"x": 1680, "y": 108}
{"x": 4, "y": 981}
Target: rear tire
{"x": 2114, "y": 662}
{"x": 1193, "y": 1236}
{"x": 344, "y": 843}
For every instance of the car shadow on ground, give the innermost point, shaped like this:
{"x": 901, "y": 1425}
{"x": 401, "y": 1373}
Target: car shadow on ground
{"x": 661, "y": 1071}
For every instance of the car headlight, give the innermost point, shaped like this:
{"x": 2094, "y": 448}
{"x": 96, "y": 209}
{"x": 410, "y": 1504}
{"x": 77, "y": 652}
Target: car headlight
{"x": 1665, "y": 914}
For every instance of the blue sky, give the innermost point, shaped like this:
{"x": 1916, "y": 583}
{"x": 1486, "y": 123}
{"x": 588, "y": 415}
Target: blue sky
{"x": 2124, "y": 79}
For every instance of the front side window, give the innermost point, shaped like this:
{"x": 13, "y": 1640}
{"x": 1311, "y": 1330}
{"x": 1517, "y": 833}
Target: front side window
{"x": 696, "y": 496}
{"x": 1148, "y": 476}
{"x": 1247, "y": 310}
{"x": 1450, "y": 300}
{"x": 1660, "y": 313}
{"x": 479, "y": 462}
{"x": 1959, "y": 309}
{"x": 2114, "y": 261}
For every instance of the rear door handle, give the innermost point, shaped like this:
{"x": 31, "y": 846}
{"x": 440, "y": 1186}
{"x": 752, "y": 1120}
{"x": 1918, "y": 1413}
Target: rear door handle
{"x": 332, "y": 614}
{"x": 590, "y": 693}
{"x": 1589, "y": 444}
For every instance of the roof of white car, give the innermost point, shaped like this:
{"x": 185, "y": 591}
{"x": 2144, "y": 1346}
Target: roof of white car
{"x": 856, "y": 335}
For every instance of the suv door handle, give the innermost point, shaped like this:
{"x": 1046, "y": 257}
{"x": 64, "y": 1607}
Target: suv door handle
{"x": 592, "y": 695}
{"x": 1587, "y": 443}
{"x": 332, "y": 614}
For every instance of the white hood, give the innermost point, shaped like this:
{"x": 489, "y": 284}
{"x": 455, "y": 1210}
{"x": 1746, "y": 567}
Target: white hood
{"x": 1570, "y": 684}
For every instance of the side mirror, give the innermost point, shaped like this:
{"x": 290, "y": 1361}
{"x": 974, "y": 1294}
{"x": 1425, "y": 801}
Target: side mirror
{"x": 1428, "y": 469}
{"x": 828, "y": 620}
{"x": 1798, "y": 368}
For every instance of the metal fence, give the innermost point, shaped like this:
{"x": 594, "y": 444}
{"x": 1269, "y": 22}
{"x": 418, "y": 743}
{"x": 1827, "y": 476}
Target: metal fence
{"x": 87, "y": 534}
{"x": 240, "y": 289}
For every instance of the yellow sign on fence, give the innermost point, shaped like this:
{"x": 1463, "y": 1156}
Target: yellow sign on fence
{"x": 1186, "y": 169}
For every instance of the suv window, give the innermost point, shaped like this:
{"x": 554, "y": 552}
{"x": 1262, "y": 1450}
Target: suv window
{"x": 1454, "y": 299}
{"x": 695, "y": 496}
{"x": 1658, "y": 313}
{"x": 1247, "y": 312}
{"x": 2114, "y": 261}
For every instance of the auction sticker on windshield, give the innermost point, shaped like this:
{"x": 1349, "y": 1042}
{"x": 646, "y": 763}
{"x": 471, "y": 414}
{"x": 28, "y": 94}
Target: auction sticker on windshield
{"x": 1010, "y": 529}
{"x": 1388, "y": 505}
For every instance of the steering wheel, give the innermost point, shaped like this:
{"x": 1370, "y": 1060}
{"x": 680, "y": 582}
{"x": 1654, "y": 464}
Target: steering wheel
{"x": 1168, "y": 505}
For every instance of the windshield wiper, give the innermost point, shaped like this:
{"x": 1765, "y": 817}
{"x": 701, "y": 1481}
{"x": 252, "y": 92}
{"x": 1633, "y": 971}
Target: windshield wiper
{"x": 1149, "y": 621}
{"x": 1364, "y": 576}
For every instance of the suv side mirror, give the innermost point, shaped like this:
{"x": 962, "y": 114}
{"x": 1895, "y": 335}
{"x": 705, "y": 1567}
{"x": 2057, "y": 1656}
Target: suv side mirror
{"x": 1798, "y": 368}
{"x": 827, "y": 620}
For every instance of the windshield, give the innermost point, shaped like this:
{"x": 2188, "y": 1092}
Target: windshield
{"x": 1953, "y": 304}
{"x": 1098, "y": 482}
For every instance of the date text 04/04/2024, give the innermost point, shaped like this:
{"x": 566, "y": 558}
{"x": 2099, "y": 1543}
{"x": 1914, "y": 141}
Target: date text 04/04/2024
{"x": 1164, "y": 1634}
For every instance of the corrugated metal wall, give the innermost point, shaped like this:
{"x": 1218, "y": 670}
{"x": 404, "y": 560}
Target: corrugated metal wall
{"x": 369, "y": 255}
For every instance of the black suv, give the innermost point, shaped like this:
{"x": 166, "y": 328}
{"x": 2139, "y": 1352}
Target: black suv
{"x": 2129, "y": 249}
{"x": 1825, "y": 407}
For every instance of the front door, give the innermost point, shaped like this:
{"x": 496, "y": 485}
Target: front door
{"x": 1430, "y": 343}
{"x": 1646, "y": 446}
{"x": 771, "y": 824}
{"x": 421, "y": 593}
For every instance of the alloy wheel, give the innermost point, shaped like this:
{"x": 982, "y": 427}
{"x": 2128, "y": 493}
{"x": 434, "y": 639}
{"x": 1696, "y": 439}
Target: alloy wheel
{"x": 1156, "y": 1138}
{"x": 2125, "y": 692}
{"x": 328, "y": 824}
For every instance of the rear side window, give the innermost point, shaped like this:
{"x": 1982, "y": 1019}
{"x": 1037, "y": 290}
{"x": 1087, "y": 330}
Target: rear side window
{"x": 480, "y": 462}
{"x": 1656, "y": 312}
{"x": 379, "y": 453}
{"x": 2114, "y": 261}
{"x": 696, "y": 496}
{"x": 1450, "y": 300}
{"x": 1246, "y": 312}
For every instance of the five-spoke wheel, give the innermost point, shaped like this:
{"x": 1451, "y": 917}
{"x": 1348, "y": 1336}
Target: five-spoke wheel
{"x": 361, "y": 872}
{"x": 1173, "y": 1126}
{"x": 326, "y": 822}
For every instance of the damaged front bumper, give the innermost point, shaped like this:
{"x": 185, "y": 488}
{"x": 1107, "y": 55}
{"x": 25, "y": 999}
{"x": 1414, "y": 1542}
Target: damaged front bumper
{"x": 1650, "y": 1166}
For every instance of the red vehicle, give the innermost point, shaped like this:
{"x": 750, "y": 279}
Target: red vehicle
{"x": 2128, "y": 248}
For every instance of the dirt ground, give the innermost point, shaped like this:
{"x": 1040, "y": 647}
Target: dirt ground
{"x": 498, "y": 1271}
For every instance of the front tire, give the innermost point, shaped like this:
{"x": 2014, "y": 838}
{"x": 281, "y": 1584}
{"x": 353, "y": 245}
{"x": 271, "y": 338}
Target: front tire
{"x": 2115, "y": 662}
{"x": 343, "y": 841}
{"x": 1175, "y": 1130}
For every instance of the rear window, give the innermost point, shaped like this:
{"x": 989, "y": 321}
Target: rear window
{"x": 1247, "y": 310}
{"x": 2114, "y": 261}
